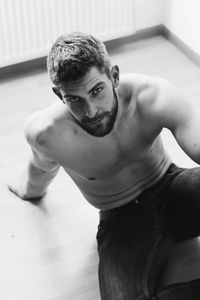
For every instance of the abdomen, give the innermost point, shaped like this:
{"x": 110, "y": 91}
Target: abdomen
{"x": 129, "y": 182}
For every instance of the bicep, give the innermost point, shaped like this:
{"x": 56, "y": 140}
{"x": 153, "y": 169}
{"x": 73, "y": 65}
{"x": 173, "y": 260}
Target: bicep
{"x": 41, "y": 157}
{"x": 182, "y": 118}
{"x": 43, "y": 162}
{"x": 187, "y": 134}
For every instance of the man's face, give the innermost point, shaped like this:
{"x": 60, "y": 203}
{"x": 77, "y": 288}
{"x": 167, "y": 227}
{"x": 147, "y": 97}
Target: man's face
{"x": 93, "y": 102}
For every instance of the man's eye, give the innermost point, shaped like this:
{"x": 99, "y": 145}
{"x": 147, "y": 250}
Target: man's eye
{"x": 73, "y": 99}
{"x": 97, "y": 91}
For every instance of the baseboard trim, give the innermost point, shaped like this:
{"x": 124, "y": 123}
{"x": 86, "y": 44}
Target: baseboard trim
{"x": 39, "y": 64}
{"x": 27, "y": 67}
{"x": 183, "y": 47}
{"x": 139, "y": 35}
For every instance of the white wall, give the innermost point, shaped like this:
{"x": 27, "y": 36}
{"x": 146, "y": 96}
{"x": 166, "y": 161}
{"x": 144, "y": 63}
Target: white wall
{"x": 181, "y": 17}
{"x": 148, "y": 13}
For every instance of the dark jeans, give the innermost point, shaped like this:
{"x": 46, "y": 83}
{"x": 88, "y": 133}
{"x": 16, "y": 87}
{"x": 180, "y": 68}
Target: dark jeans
{"x": 134, "y": 240}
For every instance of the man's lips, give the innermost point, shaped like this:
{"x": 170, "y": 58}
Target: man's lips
{"x": 95, "y": 120}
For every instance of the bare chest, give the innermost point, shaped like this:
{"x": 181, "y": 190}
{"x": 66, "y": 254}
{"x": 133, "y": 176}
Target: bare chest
{"x": 100, "y": 158}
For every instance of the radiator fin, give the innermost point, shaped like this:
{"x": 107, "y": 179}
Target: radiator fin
{"x": 29, "y": 27}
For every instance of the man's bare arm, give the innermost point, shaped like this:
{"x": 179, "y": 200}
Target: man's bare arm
{"x": 40, "y": 170}
{"x": 173, "y": 111}
{"x": 35, "y": 178}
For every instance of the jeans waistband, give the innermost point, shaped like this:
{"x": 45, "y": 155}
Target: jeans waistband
{"x": 172, "y": 170}
{"x": 105, "y": 214}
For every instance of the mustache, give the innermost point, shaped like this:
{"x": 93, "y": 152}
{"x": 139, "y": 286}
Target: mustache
{"x": 96, "y": 118}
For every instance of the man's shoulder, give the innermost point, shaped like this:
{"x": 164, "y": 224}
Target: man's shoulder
{"x": 153, "y": 100}
{"x": 37, "y": 129}
{"x": 41, "y": 128}
{"x": 143, "y": 90}
{"x": 142, "y": 85}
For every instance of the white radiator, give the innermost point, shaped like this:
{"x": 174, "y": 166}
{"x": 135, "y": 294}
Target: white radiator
{"x": 29, "y": 27}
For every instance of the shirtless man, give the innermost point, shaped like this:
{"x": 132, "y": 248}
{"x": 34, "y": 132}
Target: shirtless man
{"x": 105, "y": 132}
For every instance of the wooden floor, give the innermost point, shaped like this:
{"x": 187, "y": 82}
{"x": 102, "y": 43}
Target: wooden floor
{"x": 48, "y": 249}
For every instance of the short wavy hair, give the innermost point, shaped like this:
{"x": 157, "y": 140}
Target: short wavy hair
{"x": 72, "y": 55}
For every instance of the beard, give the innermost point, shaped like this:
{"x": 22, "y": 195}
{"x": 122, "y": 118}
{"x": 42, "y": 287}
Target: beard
{"x": 106, "y": 120}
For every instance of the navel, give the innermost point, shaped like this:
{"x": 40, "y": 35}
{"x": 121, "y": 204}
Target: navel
{"x": 91, "y": 178}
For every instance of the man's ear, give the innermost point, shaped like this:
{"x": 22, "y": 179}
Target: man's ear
{"x": 115, "y": 75}
{"x": 57, "y": 92}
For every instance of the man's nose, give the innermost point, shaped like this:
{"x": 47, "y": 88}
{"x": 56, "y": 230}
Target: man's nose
{"x": 90, "y": 110}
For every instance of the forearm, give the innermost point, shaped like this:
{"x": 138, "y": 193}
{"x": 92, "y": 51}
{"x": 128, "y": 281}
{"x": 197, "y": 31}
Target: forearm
{"x": 37, "y": 180}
